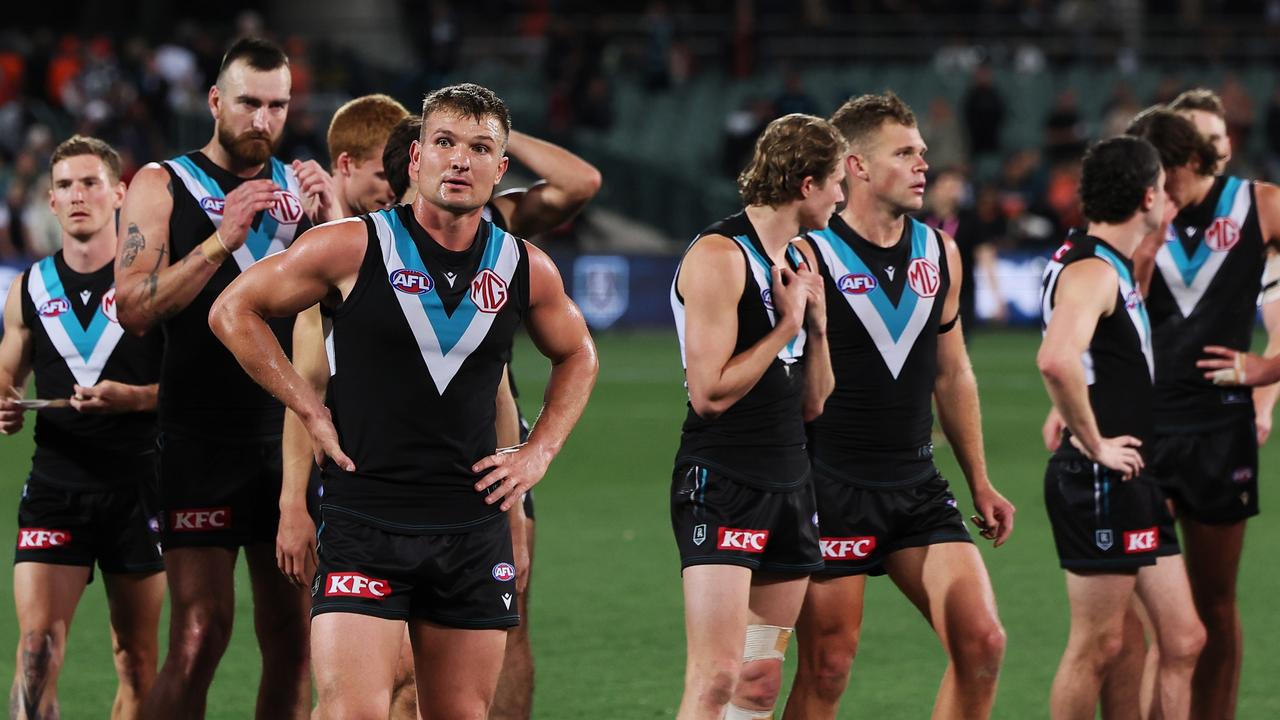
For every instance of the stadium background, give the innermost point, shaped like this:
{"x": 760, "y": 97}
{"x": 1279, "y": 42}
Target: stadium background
{"x": 666, "y": 98}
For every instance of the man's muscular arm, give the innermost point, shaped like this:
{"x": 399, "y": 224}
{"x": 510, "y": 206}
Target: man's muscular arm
{"x": 560, "y": 333}
{"x": 296, "y": 537}
{"x": 568, "y": 183}
{"x": 150, "y": 286}
{"x": 15, "y": 360}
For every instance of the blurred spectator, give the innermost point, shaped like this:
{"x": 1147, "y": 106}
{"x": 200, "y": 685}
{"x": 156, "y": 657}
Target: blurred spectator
{"x": 794, "y": 98}
{"x": 660, "y": 33}
{"x": 1119, "y": 111}
{"x": 1272, "y": 129}
{"x": 1064, "y": 130}
{"x": 943, "y": 135}
{"x": 984, "y": 113}
{"x": 741, "y": 128}
{"x": 741, "y": 55}
{"x": 1241, "y": 117}
{"x": 944, "y": 210}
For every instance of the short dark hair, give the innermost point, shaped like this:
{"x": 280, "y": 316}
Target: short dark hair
{"x": 469, "y": 100}
{"x": 1199, "y": 99}
{"x": 859, "y": 116}
{"x": 395, "y": 156}
{"x": 790, "y": 149}
{"x": 259, "y": 53}
{"x": 1175, "y": 138}
{"x": 1115, "y": 177}
{"x": 77, "y": 145}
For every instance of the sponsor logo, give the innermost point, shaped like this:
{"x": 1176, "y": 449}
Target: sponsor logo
{"x": 752, "y": 541}
{"x": 53, "y": 308}
{"x": 857, "y": 284}
{"x": 355, "y": 585}
{"x": 506, "y": 600}
{"x": 212, "y": 205}
{"x": 196, "y": 519}
{"x": 699, "y": 534}
{"x": 1140, "y": 541}
{"x": 847, "y": 548}
{"x": 766, "y": 295}
{"x": 42, "y": 539}
{"x": 1103, "y": 539}
{"x": 1062, "y": 251}
{"x": 1222, "y": 235}
{"x": 1132, "y": 300}
{"x": 488, "y": 291}
{"x": 602, "y": 288}
{"x": 109, "y": 305}
{"x": 504, "y": 572}
{"x": 890, "y": 270}
{"x": 412, "y": 282}
{"x": 1242, "y": 475}
{"x": 287, "y": 209}
{"x": 923, "y": 278}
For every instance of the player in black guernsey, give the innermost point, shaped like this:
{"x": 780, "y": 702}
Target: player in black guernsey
{"x": 1206, "y": 274}
{"x": 893, "y": 304}
{"x": 751, "y": 320}
{"x": 423, "y": 300}
{"x": 1107, "y": 513}
{"x": 193, "y": 224}
{"x": 95, "y": 454}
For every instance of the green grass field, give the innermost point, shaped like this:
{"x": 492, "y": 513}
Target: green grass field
{"x": 607, "y": 612}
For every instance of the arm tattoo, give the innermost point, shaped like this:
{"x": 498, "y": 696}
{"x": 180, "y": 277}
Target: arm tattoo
{"x": 153, "y": 280}
{"x": 133, "y": 244}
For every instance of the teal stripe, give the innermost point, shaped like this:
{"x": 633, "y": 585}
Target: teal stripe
{"x": 1123, "y": 270}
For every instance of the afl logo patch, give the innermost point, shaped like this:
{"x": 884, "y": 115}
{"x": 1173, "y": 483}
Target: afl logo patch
{"x": 1132, "y": 300}
{"x": 488, "y": 291}
{"x": 1222, "y": 235}
{"x": 504, "y": 572}
{"x": 287, "y": 208}
{"x": 53, "y": 308}
{"x": 766, "y": 296}
{"x": 213, "y": 205}
{"x": 412, "y": 282}
{"x": 857, "y": 284}
{"x": 109, "y": 305}
{"x": 923, "y": 278}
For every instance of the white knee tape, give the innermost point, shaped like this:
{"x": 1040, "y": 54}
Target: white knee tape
{"x": 766, "y": 642}
{"x": 1270, "y": 280}
{"x": 733, "y": 712}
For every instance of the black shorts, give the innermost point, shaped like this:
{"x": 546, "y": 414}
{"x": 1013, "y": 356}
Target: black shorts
{"x": 462, "y": 580}
{"x": 1211, "y": 476}
{"x": 64, "y": 526}
{"x": 719, "y": 521}
{"x": 861, "y": 525}
{"x": 1103, "y": 523}
{"x": 217, "y": 493}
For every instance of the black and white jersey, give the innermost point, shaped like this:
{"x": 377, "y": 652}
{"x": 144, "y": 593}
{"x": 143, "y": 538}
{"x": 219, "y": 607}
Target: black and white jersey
{"x": 203, "y": 390}
{"x": 416, "y": 352}
{"x": 1204, "y": 292}
{"x": 76, "y": 340}
{"x": 760, "y": 440}
{"x": 1118, "y": 364}
{"x": 884, "y": 307}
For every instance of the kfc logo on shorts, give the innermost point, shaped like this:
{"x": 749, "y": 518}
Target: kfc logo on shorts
{"x": 847, "y": 548}
{"x": 355, "y": 585}
{"x": 213, "y": 205}
{"x": 752, "y": 541}
{"x": 197, "y": 519}
{"x": 488, "y": 291}
{"x": 109, "y": 305}
{"x": 411, "y": 282}
{"x": 857, "y": 284}
{"x": 504, "y": 572}
{"x": 1222, "y": 235}
{"x": 1139, "y": 541}
{"x": 287, "y": 209}
{"x": 53, "y": 308}
{"x": 42, "y": 539}
{"x": 923, "y": 278}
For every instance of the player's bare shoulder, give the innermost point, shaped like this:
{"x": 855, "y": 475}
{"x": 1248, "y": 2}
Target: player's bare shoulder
{"x": 712, "y": 259}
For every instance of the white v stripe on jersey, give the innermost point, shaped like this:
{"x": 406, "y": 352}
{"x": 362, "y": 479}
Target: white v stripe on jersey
{"x": 1189, "y": 278}
{"x": 86, "y": 370}
{"x": 443, "y": 366}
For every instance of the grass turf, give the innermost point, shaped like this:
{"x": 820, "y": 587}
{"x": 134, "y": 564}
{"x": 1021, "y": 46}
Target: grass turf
{"x": 607, "y": 612}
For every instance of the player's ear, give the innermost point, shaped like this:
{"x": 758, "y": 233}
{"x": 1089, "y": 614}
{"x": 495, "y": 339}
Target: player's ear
{"x": 119, "y": 192}
{"x": 343, "y": 164}
{"x": 807, "y": 186}
{"x": 215, "y": 100}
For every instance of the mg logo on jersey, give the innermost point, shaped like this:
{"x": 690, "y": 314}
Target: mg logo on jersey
{"x": 196, "y": 519}
{"x": 1140, "y": 541}
{"x": 53, "y": 308}
{"x": 109, "y": 305}
{"x": 287, "y": 209}
{"x": 355, "y": 585}
{"x": 42, "y": 539}
{"x": 857, "y": 284}
{"x": 847, "y": 548}
{"x": 504, "y": 572}
{"x": 752, "y": 541}
{"x": 1062, "y": 251}
{"x": 922, "y": 277}
{"x": 1222, "y": 235}
{"x": 412, "y": 282}
{"x": 213, "y": 205}
{"x": 488, "y": 291}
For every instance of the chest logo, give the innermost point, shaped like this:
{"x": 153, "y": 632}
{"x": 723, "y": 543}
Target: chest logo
{"x": 857, "y": 284}
{"x": 1222, "y": 235}
{"x": 109, "y": 305}
{"x": 411, "y": 282}
{"x": 923, "y": 277}
{"x": 213, "y": 205}
{"x": 488, "y": 291}
{"x": 53, "y": 308}
{"x": 287, "y": 209}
